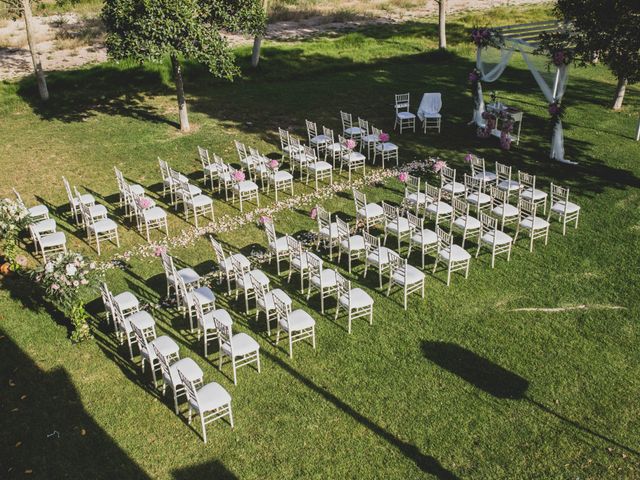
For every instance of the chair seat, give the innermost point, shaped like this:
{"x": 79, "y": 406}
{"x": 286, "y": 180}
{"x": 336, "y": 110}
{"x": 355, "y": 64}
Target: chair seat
{"x": 204, "y": 295}
{"x": 98, "y": 211}
{"x": 506, "y": 210}
{"x": 245, "y": 186}
{"x": 126, "y": 301}
{"x": 559, "y": 207}
{"x": 330, "y": 231}
{"x": 320, "y": 166}
{"x": 371, "y": 138}
{"x": 319, "y": 140}
{"x": 211, "y": 397}
{"x": 440, "y": 207}
{"x": 454, "y": 253}
{"x": 535, "y": 223}
{"x": 170, "y": 181}
{"x": 165, "y": 344}
{"x": 249, "y": 160}
{"x": 209, "y": 318}
{"x": 189, "y": 369}
{"x": 413, "y": 276}
{"x": 86, "y": 199}
{"x": 431, "y": 115}
{"x": 193, "y": 190}
{"x": 280, "y": 245}
{"x": 405, "y": 115}
{"x": 38, "y": 211}
{"x": 259, "y": 275}
{"x": 136, "y": 189}
{"x": 290, "y": 149}
{"x": 240, "y": 258}
{"x": 399, "y": 225}
{"x": 509, "y": 185}
{"x": 356, "y": 242}
{"x": 416, "y": 198}
{"x": 53, "y": 240}
{"x": 379, "y": 256}
{"x": 214, "y": 168}
{"x": 44, "y": 226}
{"x": 485, "y": 176}
{"x": 454, "y": 187}
{"x": 297, "y": 320}
{"x": 142, "y": 320}
{"x": 242, "y": 344}
{"x": 328, "y": 278}
{"x": 533, "y": 194}
{"x": 200, "y": 201}
{"x": 359, "y": 299}
{"x": 426, "y": 237}
{"x": 353, "y": 131}
{"x": 353, "y": 157}
{"x": 282, "y": 176}
{"x": 104, "y": 225}
{"x": 467, "y": 222}
{"x": 371, "y": 210}
{"x": 189, "y": 275}
{"x": 496, "y": 238}
{"x": 334, "y": 147}
{"x": 478, "y": 198}
{"x": 153, "y": 213}
{"x": 300, "y": 263}
{"x": 269, "y": 304}
{"x": 386, "y": 147}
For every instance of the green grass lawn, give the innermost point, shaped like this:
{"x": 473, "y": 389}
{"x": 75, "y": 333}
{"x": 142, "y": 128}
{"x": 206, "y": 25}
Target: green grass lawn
{"x": 458, "y": 386}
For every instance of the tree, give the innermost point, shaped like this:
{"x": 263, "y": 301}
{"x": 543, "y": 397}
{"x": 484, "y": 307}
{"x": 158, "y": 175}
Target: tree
{"x": 22, "y": 8}
{"x": 257, "y": 40}
{"x": 151, "y": 30}
{"x": 610, "y": 32}
{"x": 442, "y": 24}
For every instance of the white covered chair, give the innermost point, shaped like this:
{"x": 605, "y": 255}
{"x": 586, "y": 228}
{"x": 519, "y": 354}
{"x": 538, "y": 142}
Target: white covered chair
{"x": 224, "y": 262}
{"x": 148, "y": 342}
{"x": 180, "y": 186}
{"x": 562, "y": 208}
{"x": 504, "y": 181}
{"x": 43, "y": 227}
{"x": 424, "y": 239}
{"x": 265, "y": 303}
{"x": 448, "y": 184}
{"x": 149, "y": 218}
{"x": 501, "y": 208}
{"x": 279, "y": 180}
{"x": 453, "y": 256}
{"x": 479, "y": 171}
{"x": 210, "y": 402}
{"x": 388, "y": 151}
{"x": 475, "y": 193}
{"x": 349, "y": 130}
{"x": 532, "y": 225}
{"x": 187, "y": 298}
{"x": 408, "y": 277}
{"x": 206, "y": 326}
{"x": 37, "y": 212}
{"x": 317, "y": 141}
{"x": 297, "y": 324}
{"x": 376, "y": 255}
{"x": 395, "y": 224}
{"x": 429, "y": 111}
{"x": 246, "y": 190}
{"x": 142, "y": 319}
{"x": 355, "y": 301}
{"x": 198, "y": 204}
{"x": 368, "y": 213}
{"x": 530, "y": 192}
{"x": 243, "y": 281}
{"x": 240, "y": 348}
{"x": 352, "y": 245}
{"x": 403, "y": 118}
{"x": 327, "y": 230}
{"x": 298, "y": 261}
{"x": 210, "y": 170}
{"x": 437, "y": 209}
{"x": 319, "y": 170}
{"x": 333, "y": 149}
{"x": 171, "y": 378}
{"x": 414, "y": 199}
{"x": 321, "y": 279}
{"x": 188, "y": 275}
{"x": 276, "y": 245}
{"x": 49, "y": 243}
{"x": 463, "y": 221}
{"x": 127, "y": 302}
{"x": 285, "y": 144}
{"x": 492, "y": 238}
{"x": 99, "y": 229}
{"x": 74, "y": 201}
{"x": 301, "y": 156}
{"x": 350, "y": 159}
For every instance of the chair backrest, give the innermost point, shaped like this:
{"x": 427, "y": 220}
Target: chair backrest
{"x": 391, "y": 213}
{"x": 165, "y": 368}
{"x": 203, "y": 154}
{"x": 344, "y": 287}
{"x": 167, "y": 264}
{"x": 182, "y": 292}
{"x": 197, "y": 306}
{"x": 241, "y": 149}
{"x": 217, "y": 159}
{"x": 238, "y": 269}
{"x": 397, "y": 265}
{"x": 18, "y": 197}
{"x": 295, "y": 248}
{"x": 185, "y": 191}
{"x": 412, "y": 185}
{"x": 488, "y": 222}
{"x": 377, "y": 132}
{"x": 444, "y": 239}
{"x": 327, "y": 132}
{"x": 164, "y": 169}
{"x": 460, "y": 207}
{"x": 294, "y": 143}
{"x": 106, "y": 297}
{"x": 225, "y": 331}
{"x": 347, "y": 121}
{"x": 415, "y": 222}
{"x": 498, "y": 196}
{"x": 402, "y": 102}
{"x": 559, "y": 194}
{"x": 312, "y": 129}
{"x": 343, "y": 229}
{"x": 363, "y": 125}
{"x": 473, "y": 185}
{"x": 447, "y": 175}
{"x": 119, "y": 177}
{"x": 477, "y": 164}
{"x": 343, "y": 145}
{"x": 85, "y": 213}
{"x": 140, "y": 336}
{"x": 503, "y": 172}
{"x": 371, "y": 242}
{"x": 67, "y": 187}
{"x": 259, "y": 288}
{"x": 432, "y": 192}
{"x": 219, "y": 251}
{"x": 77, "y": 195}
{"x": 527, "y": 207}
{"x": 526, "y": 179}
{"x": 192, "y": 393}
{"x": 315, "y": 266}
{"x": 433, "y": 102}
{"x": 310, "y": 154}
{"x": 360, "y": 199}
{"x": 323, "y": 217}
{"x": 283, "y": 308}
{"x": 270, "y": 230}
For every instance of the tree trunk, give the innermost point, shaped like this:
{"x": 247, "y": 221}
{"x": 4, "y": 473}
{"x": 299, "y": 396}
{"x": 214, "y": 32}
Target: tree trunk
{"x": 35, "y": 56}
{"x": 442, "y": 24}
{"x": 620, "y": 89}
{"x": 182, "y": 103}
{"x": 255, "y": 54}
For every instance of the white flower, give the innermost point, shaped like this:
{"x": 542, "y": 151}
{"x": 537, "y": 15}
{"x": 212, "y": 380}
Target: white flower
{"x": 71, "y": 270}
{"x": 48, "y": 267}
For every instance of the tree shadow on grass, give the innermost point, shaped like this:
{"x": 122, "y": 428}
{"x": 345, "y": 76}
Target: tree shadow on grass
{"x": 213, "y": 470}
{"x": 497, "y": 381}
{"x": 59, "y": 439}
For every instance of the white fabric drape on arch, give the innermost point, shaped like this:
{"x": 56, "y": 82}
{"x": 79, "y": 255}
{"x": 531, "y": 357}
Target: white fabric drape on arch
{"x": 551, "y": 94}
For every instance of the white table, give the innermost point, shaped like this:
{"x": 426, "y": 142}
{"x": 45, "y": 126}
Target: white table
{"x": 516, "y": 115}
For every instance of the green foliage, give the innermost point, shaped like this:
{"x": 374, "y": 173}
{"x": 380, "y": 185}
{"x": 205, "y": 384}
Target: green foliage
{"x": 148, "y": 30}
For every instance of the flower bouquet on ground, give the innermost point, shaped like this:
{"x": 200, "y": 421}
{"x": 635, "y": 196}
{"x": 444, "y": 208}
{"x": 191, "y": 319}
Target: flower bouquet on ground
{"x": 66, "y": 281}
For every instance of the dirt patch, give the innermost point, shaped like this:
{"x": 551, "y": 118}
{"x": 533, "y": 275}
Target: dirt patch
{"x": 70, "y": 40}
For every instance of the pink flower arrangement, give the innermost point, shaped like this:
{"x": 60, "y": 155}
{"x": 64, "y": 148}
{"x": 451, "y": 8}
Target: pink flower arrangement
{"x": 313, "y": 213}
{"x": 264, "y": 219}
{"x": 384, "y": 137}
{"x": 238, "y": 176}
{"x": 403, "y": 177}
{"x": 554, "y": 109}
{"x": 469, "y": 157}
{"x": 439, "y": 165}
{"x": 159, "y": 250}
{"x": 558, "y": 58}
{"x": 273, "y": 164}
{"x": 474, "y": 76}
{"x": 145, "y": 202}
{"x": 350, "y": 143}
